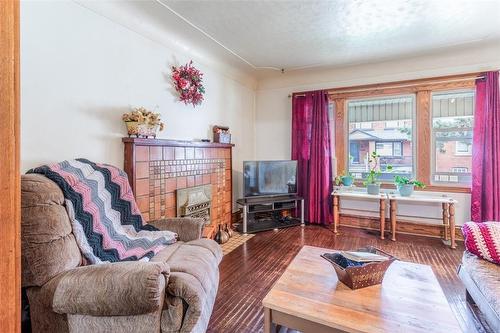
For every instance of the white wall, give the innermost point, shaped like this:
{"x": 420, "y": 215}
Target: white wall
{"x": 80, "y": 71}
{"x": 273, "y": 106}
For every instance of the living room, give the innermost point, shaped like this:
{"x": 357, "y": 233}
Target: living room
{"x": 249, "y": 166}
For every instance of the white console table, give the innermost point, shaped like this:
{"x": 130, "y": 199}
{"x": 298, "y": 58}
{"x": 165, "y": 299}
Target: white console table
{"x": 338, "y": 194}
{"x": 447, "y": 204}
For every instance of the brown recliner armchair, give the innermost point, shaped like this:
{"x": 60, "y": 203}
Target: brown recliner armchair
{"x": 174, "y": 292}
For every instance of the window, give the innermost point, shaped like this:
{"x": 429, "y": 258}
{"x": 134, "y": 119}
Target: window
{"x": 389, "y": 149}
{"x": 459, "y": 170}
{"x": 463, "y": 148}
{"x": 452, "y": 123}
{"x": 383, "y": 125}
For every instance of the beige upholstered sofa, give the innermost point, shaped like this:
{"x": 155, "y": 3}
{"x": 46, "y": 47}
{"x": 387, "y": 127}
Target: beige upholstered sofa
{"x": 174, "y": 292}
{"x": 482, "y": 282}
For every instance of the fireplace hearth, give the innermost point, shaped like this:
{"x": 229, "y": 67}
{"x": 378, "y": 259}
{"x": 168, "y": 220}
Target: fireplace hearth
{"x": 195, "y": 202}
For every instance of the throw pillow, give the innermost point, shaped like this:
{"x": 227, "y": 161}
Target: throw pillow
{"x": 483, "y": 240}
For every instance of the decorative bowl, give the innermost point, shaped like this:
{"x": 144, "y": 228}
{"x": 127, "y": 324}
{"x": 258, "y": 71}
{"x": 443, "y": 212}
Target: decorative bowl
{"x": 362, "y": 275}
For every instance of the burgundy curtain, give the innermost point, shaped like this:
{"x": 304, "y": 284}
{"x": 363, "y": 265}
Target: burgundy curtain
{"x": 485, "y": 195}
{"x": 311, "y": 148}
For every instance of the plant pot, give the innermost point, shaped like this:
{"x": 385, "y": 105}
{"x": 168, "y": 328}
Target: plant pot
{"x": 347, "y": 180}
{"x": 406, "y": 190}
{"x": 132, "y": 128}
{"x": 147, "y": 130}
{"x": 373, "y": 189}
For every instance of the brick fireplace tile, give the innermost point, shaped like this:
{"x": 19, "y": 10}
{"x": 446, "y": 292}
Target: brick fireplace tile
{"x": 214, "y": 178}
{"x": 198, "y": 153}
{"x": 170, "y": 200}
{"x": 181, "y": 182}
{"x": 198, "y": 180}
{"x": 170, "y": 184}
{"x": 168, "y": 153}
{"x": 142, "y": 153}
{"x": 142, "y": 170}
{"x": 189, "y": 153}
{"x": 170, "y": 212}
{"x": 143, "y": 203}
{"x": 190, "y": 181}
{"x": 142, "y": 187}
{"x": 180, "y": 153}
{"x": 155, "y": 154}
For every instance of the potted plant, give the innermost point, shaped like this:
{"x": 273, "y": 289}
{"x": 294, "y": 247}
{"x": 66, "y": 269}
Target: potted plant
{"x": 371, "y": 181}
{"x": 346, "y": 179}
{"x": 406, "y": 186}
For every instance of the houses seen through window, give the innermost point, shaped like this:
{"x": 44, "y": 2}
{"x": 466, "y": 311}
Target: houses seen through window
{"x": 452, "y": 125}
{"x": 384, "y": 126}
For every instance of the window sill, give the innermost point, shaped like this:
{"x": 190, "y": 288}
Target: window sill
{"x": 428, "y": 188}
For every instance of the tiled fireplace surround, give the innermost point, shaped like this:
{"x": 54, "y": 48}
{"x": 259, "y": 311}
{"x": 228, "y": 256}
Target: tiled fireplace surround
{"x": 157, "y": 168}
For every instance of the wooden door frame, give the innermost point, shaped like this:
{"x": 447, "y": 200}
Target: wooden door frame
{"x": 10, "y": 198}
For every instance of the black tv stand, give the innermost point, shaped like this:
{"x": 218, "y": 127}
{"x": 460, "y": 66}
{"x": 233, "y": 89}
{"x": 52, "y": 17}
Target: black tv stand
{"x": 274, "y": 204}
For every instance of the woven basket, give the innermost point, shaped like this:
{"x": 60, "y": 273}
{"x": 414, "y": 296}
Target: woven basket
{"x": 369, "y": 274}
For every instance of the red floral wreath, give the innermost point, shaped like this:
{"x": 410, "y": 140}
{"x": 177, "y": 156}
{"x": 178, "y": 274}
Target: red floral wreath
{"x": 188, "y": 83}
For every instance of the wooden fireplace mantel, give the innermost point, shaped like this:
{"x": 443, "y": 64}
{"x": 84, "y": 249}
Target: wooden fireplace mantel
{"x": 176, "y": 143}
{"x": 157, "y": 168}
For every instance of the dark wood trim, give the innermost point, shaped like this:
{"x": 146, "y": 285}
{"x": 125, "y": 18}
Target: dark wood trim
{"x": 402, "y": 226}
{"x": 176, "y": 143}
{"x": 129, "y": 164}
{"x": 10, "y": 193}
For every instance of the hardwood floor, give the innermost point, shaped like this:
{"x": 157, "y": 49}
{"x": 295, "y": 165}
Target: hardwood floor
{"x": 248, "y": 272}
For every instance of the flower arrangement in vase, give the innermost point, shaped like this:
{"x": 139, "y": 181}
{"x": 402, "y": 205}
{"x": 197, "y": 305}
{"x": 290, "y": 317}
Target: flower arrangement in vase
{"x": 143, "y": 123}
{"x": 372, "y": 178}
{"x": 188, "y": 82}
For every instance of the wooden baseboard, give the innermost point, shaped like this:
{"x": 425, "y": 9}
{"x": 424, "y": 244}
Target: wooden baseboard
{"x": 402, "y": 226}
{"x": 372, "y": 223}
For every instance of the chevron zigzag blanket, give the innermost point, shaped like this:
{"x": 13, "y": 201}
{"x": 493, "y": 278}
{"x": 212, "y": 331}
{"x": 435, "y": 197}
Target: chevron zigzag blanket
{"x": 106, "y": 221}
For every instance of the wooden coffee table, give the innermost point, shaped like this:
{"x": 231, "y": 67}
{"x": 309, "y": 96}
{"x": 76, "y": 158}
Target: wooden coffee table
{"x": 308, "y": 297}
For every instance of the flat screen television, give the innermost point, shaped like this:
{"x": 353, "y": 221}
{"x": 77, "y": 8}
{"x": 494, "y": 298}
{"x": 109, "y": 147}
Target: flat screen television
{"x": 269, "y": 178}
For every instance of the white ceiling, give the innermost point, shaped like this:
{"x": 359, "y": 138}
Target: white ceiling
{"x": 301, "y": 34}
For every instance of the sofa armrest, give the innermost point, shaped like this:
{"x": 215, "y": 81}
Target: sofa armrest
{"x": 187, "y": 229}
{"x": 115, "y": 289}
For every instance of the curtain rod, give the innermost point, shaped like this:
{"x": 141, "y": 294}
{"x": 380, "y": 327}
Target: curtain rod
{"x": 396, "y": 86}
